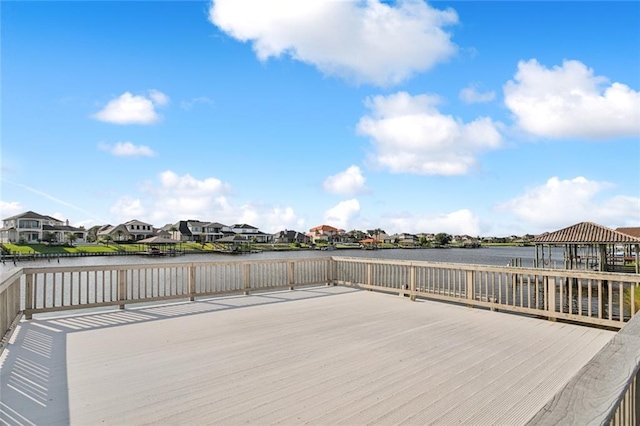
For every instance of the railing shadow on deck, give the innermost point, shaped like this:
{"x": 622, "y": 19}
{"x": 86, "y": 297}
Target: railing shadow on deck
{"x": 33, "y": 378}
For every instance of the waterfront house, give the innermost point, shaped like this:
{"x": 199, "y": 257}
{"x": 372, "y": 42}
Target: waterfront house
{"x": 32, "y": 227}
{"x": 251, "y": 232}
{"x": 213, "y": 231}
{"x": 290, "y": 237}
{"x": 139, "y": 230}
{"x": 326, "y": 233}
{"x": 117, "y": 233}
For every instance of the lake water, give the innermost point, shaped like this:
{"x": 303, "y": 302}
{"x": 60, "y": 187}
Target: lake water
{"x": 499, "y": 256}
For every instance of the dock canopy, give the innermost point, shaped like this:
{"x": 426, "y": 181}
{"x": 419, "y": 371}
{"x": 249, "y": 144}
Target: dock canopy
{"x": 158, "y": 240}
{"x": 589, "y": 245}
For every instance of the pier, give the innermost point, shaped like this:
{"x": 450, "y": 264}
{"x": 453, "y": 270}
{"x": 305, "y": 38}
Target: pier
{"x": 321, "y": 341}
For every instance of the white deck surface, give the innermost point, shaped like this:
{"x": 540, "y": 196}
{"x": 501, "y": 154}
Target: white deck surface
{"x": 325, "y": 355}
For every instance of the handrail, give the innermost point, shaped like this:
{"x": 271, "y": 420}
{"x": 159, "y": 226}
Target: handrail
{"x": 598, "y": 298}
{"x": 60, "y": 288}
{"x": 605, "y": 391}
{"x": 10, "y": 306}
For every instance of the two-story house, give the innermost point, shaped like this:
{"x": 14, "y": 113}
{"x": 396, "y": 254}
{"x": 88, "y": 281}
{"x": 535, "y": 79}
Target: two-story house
{"x": 251, "y": 232}
{"x": 32, "y": 227}
{"x": 288, "y": 236}
{"x": 139, "y": 230}
{"x": 325, "y": 233}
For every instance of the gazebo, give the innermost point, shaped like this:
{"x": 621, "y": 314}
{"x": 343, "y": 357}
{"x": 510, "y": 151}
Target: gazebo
{"x": 158, "y": 245}
{"x": 588, "y": 245}
{"x": 235, "y": 243}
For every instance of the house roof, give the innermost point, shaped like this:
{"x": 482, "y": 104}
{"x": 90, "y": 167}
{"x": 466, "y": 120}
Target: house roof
{"x": 585, "y": 232}
{"x": 183, "y": 228}
{"x": 30, "y": 215}
{"x": 215, "y": 224}
{"x": 136, "y": 221}
{"x": 243, "y": 226}
{"x": 324, "y": 228}
{"x": 66, "y": 228}
{"x": 368, "y": 241}
{"x": 634, "y": 232}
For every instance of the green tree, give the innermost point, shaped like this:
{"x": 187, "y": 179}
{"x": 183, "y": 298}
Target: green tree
{"x": 71, "y": 237}
{"x": 49, "y": 237}
{"x": 443, "y": 239}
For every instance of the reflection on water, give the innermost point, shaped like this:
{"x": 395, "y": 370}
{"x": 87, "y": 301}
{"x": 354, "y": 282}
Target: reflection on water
{"x": 498, "y": 256}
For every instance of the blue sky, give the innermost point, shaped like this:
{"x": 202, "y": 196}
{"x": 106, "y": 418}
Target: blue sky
{"x": 480, "y": 118}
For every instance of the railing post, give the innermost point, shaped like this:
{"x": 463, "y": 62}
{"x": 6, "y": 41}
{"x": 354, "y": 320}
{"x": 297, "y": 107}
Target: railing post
{"x": 28, "y": 297}
{"x": 191, "y": 282}
{"x": 369, "y": 273}
{"x": 412, "y": 283}
{"x": 550, "y": 286}
{"x": 122, "y": 288}
{"x": 291, "y": 275}
{"x": 471, "y": 286}
{"x": 247, "y": 278}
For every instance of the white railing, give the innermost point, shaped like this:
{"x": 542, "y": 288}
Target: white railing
{"x": 61, "y": 288}
{"x": 606, "y": 391}
{"x": 10, "y": 308}
{"x": 598, "y": 298}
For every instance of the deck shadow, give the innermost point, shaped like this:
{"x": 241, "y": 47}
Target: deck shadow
{"x": 34, "y": 386}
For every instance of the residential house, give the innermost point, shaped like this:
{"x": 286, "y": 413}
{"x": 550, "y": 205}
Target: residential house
{"x": 327, "y": 234}
{"x": 32, "y": 227}
{"x": 251, "y": 232}
{"x": 213, "y": 231}
{"x": 139, "y": 230}
{"x": 117, "y": 233}
{"x": 405, "y": 239}
{"x": 290, "y": 237}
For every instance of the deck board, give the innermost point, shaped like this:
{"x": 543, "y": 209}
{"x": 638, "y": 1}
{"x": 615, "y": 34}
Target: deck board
{"x": 325, "y": 355}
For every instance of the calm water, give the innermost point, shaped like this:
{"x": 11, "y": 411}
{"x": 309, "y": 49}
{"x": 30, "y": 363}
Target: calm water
{"x": 499, "y": 256}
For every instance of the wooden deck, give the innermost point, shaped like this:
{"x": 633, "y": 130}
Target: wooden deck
{"x": 321, "y": 355}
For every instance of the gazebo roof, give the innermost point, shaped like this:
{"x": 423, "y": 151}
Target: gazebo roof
{"x": 587, "y": 233}
{"x": 157, "y": 240}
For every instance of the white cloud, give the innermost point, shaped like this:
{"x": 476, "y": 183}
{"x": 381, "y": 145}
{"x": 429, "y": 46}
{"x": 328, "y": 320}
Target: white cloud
{"x": 348, "y": 182}
{"x": 10, "y": 208}
{"x": 559, "y": 203}
{"x": 361, "y": 41}
{"x": 158, "y": 97}
{"x": 569, "y": 101}
{"x": 471, "y": 95}
{"x": 127, "y": 149}
{"x": 187, "y": 105}
{"x": 172, "y": 197}
{"x": 455, "y": 223}
{"x": 271, "y": 219}
{"x": 342, "y": 214}
{"x": 410, "y": 135}
{"x": 127, "y": 208}
{"x": 133, "y": 109}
